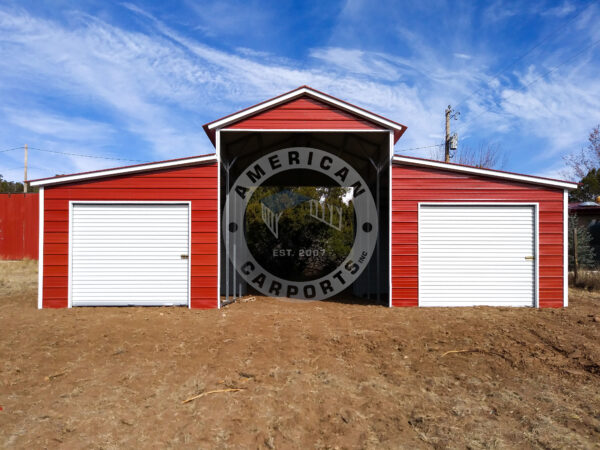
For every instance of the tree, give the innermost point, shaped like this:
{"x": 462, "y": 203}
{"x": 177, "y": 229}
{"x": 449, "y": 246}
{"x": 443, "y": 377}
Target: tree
{"x": 316, "y": 248}
{"x": 489, "y": 156}
{"x": 585, "y": 252}
{"x": 580, "y": 163}
{"x": 588, "y": 189}
{"x": 12, "y": 187}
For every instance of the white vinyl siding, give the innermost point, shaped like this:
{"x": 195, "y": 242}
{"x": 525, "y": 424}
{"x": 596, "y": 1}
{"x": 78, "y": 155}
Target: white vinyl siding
{"x": 477, "y": 255}
{"x": 129, "y": 254}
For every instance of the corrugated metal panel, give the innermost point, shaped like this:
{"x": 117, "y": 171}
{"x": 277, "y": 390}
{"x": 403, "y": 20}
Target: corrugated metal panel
{"x": 197, "y": 184}
{"x": 129, "y": 254}
{"x": 411, "y": 185}
{"x": 305, "y": 113}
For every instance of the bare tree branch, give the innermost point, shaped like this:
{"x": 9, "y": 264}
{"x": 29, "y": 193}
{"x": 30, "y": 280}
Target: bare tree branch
{"x": 581, "y": 162}
{"x": 487, "y": 155}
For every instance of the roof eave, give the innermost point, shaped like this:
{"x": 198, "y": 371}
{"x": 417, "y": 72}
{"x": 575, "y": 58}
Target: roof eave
{"x": 531, "y": 179}
{"x": 125, "y": 170}
{"x": 223, "y": 122}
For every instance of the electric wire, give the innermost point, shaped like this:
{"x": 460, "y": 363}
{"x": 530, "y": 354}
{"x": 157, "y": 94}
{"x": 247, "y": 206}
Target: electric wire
{"x": 86, "y": 156}
{"x": 11, "y": 149}
{"x": 73, "y": 154}
{"x": 418, "y": 148}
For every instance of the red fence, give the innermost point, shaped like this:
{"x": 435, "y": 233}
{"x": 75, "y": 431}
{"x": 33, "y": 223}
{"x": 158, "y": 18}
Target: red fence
{"x": 19, "y": 224}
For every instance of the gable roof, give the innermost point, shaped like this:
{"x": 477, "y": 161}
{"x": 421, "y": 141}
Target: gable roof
{"x": 304, "y": 91}
{"x": 124, "y": 170}
{"x": 493, "y": 173}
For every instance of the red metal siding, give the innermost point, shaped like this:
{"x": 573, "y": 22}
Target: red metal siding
{"x": 305, "y": 113}
{"x": 411, "y": 185}
{"x": 196, "y": 184}
{"x": 19, "y": 226}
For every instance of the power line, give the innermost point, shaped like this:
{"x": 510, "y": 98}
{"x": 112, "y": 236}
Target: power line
{"x": 520, "y": 58}
{"x": 11, "y": 149}
{"x": 86, "y": 156}
{"x": 74, "y": 154}
{"x": 417, "y": 148}
{"x": 554, "y": 69}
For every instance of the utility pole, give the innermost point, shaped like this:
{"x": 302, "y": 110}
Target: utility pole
{"x": 451, "y": 141}
{"x": 447, "y": 141}
{"x": 25, "y": 178}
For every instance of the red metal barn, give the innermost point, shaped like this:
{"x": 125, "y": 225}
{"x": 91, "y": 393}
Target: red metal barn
{"x": 423, "y": 233}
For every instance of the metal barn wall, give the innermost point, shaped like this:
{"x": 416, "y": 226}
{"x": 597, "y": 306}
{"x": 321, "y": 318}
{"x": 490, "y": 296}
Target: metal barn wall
{"x": 19, "y": 225}
{"x": 197, "y": 184}
{"x": 411, "y": 185}
{"x": 305, "y": 114}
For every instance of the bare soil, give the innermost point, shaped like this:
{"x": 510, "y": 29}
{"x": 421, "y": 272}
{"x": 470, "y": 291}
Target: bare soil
{"x": 314, "y": 375}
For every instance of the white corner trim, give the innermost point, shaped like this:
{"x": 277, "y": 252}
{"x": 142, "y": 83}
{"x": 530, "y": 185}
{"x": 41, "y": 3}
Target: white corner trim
{"x": 297, "y": 93}
{"x": 566, "y": 249}
{"x": 484, "y": 172}
{"x": 536, "y": 211}
{"x": 190, "y": 256}
{"x": 218, "y": 150}
{"x": 70, "y": 260}
{"x": 124, "y": 170}
{"x": 390, "y": 281}
{"x": 41, "y": 249}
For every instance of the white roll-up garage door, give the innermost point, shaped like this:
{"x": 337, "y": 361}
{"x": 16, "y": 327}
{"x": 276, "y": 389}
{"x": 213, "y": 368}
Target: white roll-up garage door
{"x": 476, "y": 255}
{"x": 129, "y": 254}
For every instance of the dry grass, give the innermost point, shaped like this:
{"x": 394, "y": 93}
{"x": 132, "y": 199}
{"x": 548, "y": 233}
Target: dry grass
{"x": 586, "y": 279}
{"x": 17, "y": 276}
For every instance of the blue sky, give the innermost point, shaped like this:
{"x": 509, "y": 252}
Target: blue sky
{"x": 137, "y": 80}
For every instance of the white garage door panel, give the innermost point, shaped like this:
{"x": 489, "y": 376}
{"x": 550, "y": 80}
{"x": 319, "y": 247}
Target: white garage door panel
{"x": 129, "y": 254}
{"x": 476, "y": 255}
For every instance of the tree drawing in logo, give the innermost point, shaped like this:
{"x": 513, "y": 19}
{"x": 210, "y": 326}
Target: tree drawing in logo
{"x": 272, "y": 207}
{"x": 301, "y": 232}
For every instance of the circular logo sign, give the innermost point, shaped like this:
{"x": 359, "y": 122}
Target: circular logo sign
{"x": 300, "y": 223}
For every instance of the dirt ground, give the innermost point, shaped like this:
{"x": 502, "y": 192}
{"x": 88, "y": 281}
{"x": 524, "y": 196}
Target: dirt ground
{"x": 313, "y": 375}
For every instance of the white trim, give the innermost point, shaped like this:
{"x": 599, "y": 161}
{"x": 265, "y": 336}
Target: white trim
{"x": 303, "y": 130}
{"x": 41, "y": 249}
{"x": 132, "y": 202}
{"x": 297, "y": 93}
{"x": 566, "y": 249}
{"x": 419, "y": 265}
{"x": 70, "y": 264}
{"x": 190, "y": 256}
{"x": 390, "y": 156}
{"x": 537, "y": 255}
{"x": 484, "y": 172}
{"x": 124, "y": 170}
{"x": 536, "y": 208}
{"x": 218, "y": 150}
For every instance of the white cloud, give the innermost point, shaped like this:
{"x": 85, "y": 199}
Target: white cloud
{"x": 560, "y": 11}
{"x": 48, "y": 125}
{"x": 374, "y": 65}
{"x": 462, "y": 56}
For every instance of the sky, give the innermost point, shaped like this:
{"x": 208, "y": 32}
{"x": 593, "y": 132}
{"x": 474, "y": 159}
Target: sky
{"x": 135, "y": 81}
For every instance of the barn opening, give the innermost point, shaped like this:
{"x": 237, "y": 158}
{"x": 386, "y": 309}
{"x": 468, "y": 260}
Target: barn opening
{"x": 300, "y": 224}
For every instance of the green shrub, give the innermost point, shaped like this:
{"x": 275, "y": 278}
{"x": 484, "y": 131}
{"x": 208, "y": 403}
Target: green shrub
{"x": 585, "y": 251}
